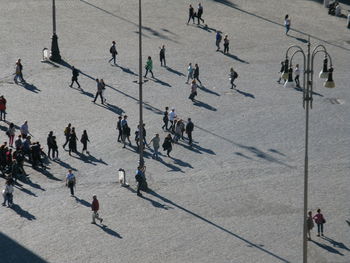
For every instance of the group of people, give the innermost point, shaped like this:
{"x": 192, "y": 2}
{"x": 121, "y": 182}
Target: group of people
{"x": 192, "y": 14}
{"x": 290, "y": 69}
{"x": 218, "y": 39}
{"x": 319, "y": 220}
{"x": 71, "y": 140}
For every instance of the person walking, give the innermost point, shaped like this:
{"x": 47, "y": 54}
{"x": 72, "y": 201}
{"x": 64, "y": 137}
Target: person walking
{"x": 297, "y": 73}
{"x": 162, "y": 56}
{"x": 54, "y": 148}
{"x": 11, "y": 132}
{"x": 99, "y": 91}
{"x": 218, "y": 38}
{"x": 126, "y": 131}
{"x": 141, "y": 180}
{"x": 95, "y": 206}
{"x": 172, "y": 117}
{"x": 190, "y": 14}
{"x": 168, "y": 144}
{"x": 189, "y": 129}
{"x": 189, "y": 72}
{"x": 281, "y": 71}
{"x": 309, "y": 224}
{"x": 70, "y": 181}
{"x": 67, "y": 131}
{"x": 8, "y": 192}
{"x": 84, "y": 140}
{"x": 196, "y": 73}
{"x": 3, "y": 102}
{"x": 114, "y": 53}
{"x": 119, "y": 128}
{"x": 155, "y": 142}
{"x": 193, "y": 90}
{"x": 49, "y": 141}
{"x": 72, "y": 141}
{"x": 18, "y": 72}
{"x": 149, "y": 67}
{"x": 166, "y": 118}
{"x": 200, "y": 13}
{"x": 226, "y": 44}
{"x": 233, "y": 76}
{"x": 24, "y": 129}
{"x": 103, "y": 87}
{"x": 75, "y": 74}
{"x": 319, "y": 220}
{"x": 287, "y": 22}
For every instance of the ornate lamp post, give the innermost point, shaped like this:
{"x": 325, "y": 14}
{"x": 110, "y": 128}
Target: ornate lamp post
{"x": 55, "y": 52}
{"x": 307, "y": 104}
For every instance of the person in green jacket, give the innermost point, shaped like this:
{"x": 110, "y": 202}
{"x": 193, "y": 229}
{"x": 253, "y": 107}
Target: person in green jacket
{"x": 149, "y": 67}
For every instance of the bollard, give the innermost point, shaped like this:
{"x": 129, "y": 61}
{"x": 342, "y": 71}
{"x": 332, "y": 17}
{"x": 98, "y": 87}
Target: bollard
{"x": 46, "y": 55}
{"x": 122, "y": 178}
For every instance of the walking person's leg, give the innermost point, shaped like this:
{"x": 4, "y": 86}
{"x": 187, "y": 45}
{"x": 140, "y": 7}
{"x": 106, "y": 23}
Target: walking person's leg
{"x": 189, "y": 138}
{"x": 318, "y": 229}
{"x": 93, "y": 217}
{"x": 321, "y": 229}
{"x": 151, "y": 73}
{"x": 146, "y": 73}
{"x": 77, "y": 83}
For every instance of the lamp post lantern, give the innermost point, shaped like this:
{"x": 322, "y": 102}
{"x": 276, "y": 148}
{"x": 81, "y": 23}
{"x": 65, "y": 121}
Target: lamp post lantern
{"x": 307, "y": 104}
{"x": 55, "y": 52}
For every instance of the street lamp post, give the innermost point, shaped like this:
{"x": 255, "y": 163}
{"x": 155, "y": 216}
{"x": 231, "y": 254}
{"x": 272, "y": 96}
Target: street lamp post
{"x": 55, "y": 52}
{"x": 307, "y": 104}
{"x": 141, "y": 160}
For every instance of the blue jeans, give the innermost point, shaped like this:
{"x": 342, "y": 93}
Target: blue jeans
{"x": 155, "y": 154}
{"x": 320, "y": 228}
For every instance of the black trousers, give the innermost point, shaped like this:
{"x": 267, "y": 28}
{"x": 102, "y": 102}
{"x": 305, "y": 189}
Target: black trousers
{"x": 67, "y": 140}
{"x": 98, "y": 94}
{"x": 119, "y": 135}
{"x": 113, "y": 57}
{"x": 166, "y": 121}
{"x": 191, "y": 16}
{"x": 189, "y": 134}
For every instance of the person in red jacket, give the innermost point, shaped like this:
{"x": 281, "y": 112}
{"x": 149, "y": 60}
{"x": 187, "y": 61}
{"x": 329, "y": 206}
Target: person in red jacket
{"x": 2, "y": 108}
{"x": 319, "y": 220}
{"x": 95, "y": 206}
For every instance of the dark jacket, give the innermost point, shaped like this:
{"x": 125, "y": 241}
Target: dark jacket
{"x": 189, "y": 127}
{"x": 167, "y": 143}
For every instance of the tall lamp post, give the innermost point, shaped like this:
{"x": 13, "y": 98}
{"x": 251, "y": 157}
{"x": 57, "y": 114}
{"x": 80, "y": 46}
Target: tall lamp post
{"x": 55, "y": 52}
{"x": 307, "y": 104}
{"x": 141, "y": 160}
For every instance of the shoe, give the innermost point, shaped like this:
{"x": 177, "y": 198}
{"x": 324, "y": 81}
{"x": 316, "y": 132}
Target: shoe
{"x": 94, "y": 223}
{"x": 124, "y": 146}
{"x": 3, "y": 204}
{"x": 322, "y": 234}
{"x": 71, "y": 86}
{"x": 318, "y": 235}
{"x": 139, "y": 194}
{"x": 101, "y": 220}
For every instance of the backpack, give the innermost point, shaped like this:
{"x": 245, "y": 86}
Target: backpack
{"x": 235, "y": 75}
{"x": 111, "y": 50}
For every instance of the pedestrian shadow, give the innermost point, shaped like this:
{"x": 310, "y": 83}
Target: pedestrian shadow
{"x": 201, "y": 87}
{"x": 243, "y": 155}
{"x": 225, "y": 2}
{"x": 234, "y": 57}
{"x": 64, "y": 165}
{"x": 48, "y": 174}
{"x": 31, "y": 184}
{"x": 202, "y": 104}
{"x": 27, "y": 191}
{"x": 112, "y": 108}
{"x": 275, "y": 151}
{"x": 157, "y": 204}
{"x": 30, "y": 87}
{"x": 181, "y": 163}
{"x": 303, "y": 40}
{"x": 206, "y": 28}
{"x": 313, "y": 93}
{"x": 197, "y": 148}
{"x": 335, "y": 243}
{"x": 22, "y": 213}
{"x": 245, "y": 94}
{"x": 82, "y": 202}
{"x": 161, "y": 82}
{"x": 328, "y": 248}
{"x": 168, "y": 31}
{"x": 90, "y": 159}
{"x": 50, "y": 63}
{"x": 251, "y": 244}
{"x": 127, "y": 70}
{"x": 109, "y": 231}
{"x": 174, "y": 71}
{"x": 173, "y": 168}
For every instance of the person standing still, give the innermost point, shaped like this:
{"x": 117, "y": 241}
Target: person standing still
{"x": 166, "y": 118}
{"x": 70, "y": 181}
{"x": 190, "y": 14}
{"x": 95, "y": 206}
{"x": 319, "y": 220}
{"x": 155, "y": 142}
{"x": 54, "y": 148}
{"x": 149, "y": 67}
{"x": 119, "y": 128}
{"x": 309, "y": 224}
{"x": 196, "y": 73}
{"x": 114, "y": 53}
{"x": 67, "y": 131}
{"x": 18, "y": 72}
{"x": 297, "y": 73}
{"x": 287, "y": 23}
{"x": 49, "y": 142}
{"x": 226, "y": 44}
{"x": 189, "y": 130}
{"x": 193, "y": 90}
{"x": 75, "y": 74}
{"x": 189, "y": 73}
{"x": 84, "y": 140}
{"x": 162, "y": 56}
{"x": 218, "y": 40}
{"x": 11, "y": 132}
{"x": 125, "y": 131}
{"x": 3, "y": 102}
{"x": 200, "y": 13}
{"x": 141, "y": 179}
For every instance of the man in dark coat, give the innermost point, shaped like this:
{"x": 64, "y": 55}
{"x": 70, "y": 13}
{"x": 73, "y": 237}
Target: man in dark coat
{"x": 75, "y": 74}
{"x": 189, "y": 130}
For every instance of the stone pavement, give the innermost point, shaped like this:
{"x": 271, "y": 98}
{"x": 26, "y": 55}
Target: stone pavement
{"x": 237, "y": 195}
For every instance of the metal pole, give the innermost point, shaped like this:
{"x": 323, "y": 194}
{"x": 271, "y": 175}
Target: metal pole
{"x": 141, "y": 161}
{"x": 55, "y": 52}
{"x": 306, "y": 163}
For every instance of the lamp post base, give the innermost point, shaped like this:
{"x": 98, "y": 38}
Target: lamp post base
{"x": 55, "y": 52}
